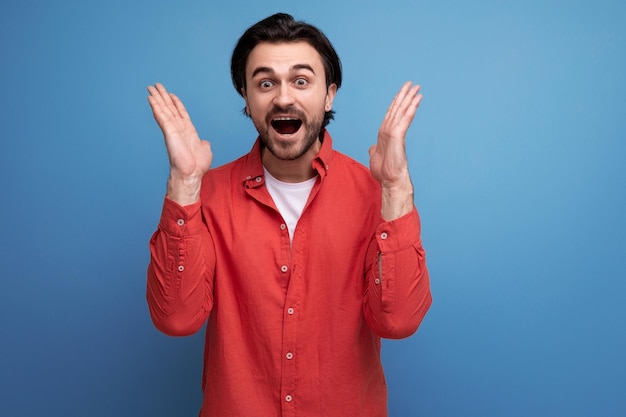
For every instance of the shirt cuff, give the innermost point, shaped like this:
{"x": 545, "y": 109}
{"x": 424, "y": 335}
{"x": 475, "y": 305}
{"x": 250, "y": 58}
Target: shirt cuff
{"x": 399, "y": 234}
{"x": 181, "y": 220}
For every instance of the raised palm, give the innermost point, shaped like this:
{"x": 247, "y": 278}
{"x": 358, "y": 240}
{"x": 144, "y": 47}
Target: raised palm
{"x": 388, "y": 161}
{"x": 190, "y": 157}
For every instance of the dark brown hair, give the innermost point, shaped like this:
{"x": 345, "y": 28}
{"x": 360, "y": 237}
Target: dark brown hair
{"x": 282, "y": 27}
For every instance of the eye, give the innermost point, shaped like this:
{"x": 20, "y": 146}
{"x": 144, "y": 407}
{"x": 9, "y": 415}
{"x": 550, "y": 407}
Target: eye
{"x": 301, "y": 82}
{"x": 265, "y": 84}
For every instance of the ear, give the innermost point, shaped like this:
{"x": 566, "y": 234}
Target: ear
{"x": 245, "y": 98}
{"x": 330, "y": 96}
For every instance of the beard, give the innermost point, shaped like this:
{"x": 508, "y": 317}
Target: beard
{"x": 290, "y": 150}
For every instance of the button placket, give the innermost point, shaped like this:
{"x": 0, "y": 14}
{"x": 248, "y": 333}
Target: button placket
{"x": 291, "y": 324}
{"x": 289, "y": 389}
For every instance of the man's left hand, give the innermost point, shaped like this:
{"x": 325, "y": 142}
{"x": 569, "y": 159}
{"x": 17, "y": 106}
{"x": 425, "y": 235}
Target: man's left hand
{"x": 388, "y": 160}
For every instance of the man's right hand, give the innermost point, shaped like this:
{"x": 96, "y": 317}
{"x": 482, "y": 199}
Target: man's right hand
{"x": 190, "y": 157}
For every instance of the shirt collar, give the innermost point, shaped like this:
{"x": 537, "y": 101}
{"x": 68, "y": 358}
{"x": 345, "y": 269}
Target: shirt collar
{"x": 253, "y": 175}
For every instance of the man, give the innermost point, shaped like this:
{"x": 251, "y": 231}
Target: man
{"x": 300, "y": 258}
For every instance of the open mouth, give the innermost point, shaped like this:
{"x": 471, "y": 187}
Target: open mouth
{"x": 286, "y": 125}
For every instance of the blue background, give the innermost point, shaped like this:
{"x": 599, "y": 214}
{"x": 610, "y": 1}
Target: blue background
{"x": 517, "y": 154}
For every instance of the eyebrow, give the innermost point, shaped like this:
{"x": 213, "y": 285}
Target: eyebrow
{"x": 269, "y": 70}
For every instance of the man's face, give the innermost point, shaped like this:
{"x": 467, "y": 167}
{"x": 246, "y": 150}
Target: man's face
{"x": 286, "y": 97}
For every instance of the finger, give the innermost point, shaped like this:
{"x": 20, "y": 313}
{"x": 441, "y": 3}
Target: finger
{"x": 167, "y": 99}
{"x": 406, "y": 107}
{"x": 153, "y": 91}
{"x": 161, "y": 90}
{"x": 160, "y": 111}
{"x": 153, "y": 104}
{"x": 157, "y": 91}
{"x": 391, "y": 111}
{"x": 406, "y": 98}
{"x": 402, "y": 92}
{"x": 411, "y": 104}
{"x": 156, "y": 100}
{"x": 179, "y": 106}
{"x": 169, "y": 107}
{"x": 401, "y": 115}
{"x": 398, "y": 104}
{"x": 156, "y": 106}
{"x": 406, "y": 114}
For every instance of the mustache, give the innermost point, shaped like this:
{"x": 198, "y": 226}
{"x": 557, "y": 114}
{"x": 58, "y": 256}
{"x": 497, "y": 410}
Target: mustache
{"x": 289, "y": 111}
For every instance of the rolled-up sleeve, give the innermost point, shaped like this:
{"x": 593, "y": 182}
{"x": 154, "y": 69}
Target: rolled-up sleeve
{"x": 397, "y": 288}
{"x": 181, "y": 270}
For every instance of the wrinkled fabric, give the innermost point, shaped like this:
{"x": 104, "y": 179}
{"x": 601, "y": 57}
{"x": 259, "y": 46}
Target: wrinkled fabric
{"x": 292, "y": 330}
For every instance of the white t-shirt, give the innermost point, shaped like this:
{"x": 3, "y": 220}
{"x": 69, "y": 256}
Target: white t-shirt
{"x": 290, "y": 198}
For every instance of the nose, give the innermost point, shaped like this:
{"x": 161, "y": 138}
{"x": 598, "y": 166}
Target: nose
{"x": 284, "y": 97}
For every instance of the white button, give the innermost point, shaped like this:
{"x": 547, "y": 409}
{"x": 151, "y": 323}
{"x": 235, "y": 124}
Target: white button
{"x": 289, "y": 355}
{"x": 180, "y": 222}
{"x": 290, "y": 311}
{"x": 383, "y": 235}
{"x": 181, "y": 268}
{"x": 248, "y": 177}
{"x": 258, "y": 179}
{"x": 284, "y": 268}
{"x": 283, "y": 226}
{"x": 377, "y": 281}
{"x": 288, "y": 398}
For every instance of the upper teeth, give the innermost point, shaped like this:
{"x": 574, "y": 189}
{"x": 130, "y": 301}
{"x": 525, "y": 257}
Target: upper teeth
{"x": 285, "y": 118}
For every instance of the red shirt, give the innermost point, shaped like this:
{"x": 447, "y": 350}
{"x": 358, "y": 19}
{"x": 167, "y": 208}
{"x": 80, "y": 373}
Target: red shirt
{"x": 292, "y": 330}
